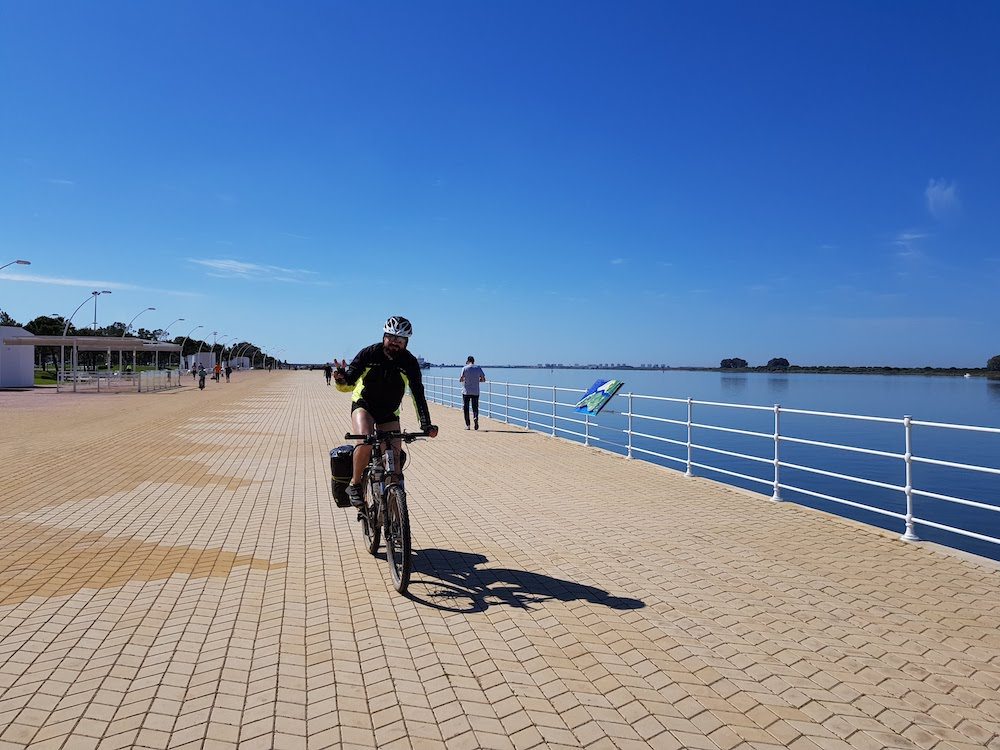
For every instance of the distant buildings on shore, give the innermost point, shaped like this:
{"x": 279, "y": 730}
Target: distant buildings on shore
{"x": 560, "y": 366}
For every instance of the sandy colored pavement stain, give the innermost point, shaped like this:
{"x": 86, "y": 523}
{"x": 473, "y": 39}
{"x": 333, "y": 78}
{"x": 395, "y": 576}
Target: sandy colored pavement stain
{"x": 36, "y": 560}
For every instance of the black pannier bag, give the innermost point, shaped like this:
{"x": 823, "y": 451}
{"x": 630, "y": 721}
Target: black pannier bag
{"x": 341, "y": 469}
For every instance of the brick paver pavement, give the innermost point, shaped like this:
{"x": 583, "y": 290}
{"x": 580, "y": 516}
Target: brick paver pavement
{"x": 174, "y": 575}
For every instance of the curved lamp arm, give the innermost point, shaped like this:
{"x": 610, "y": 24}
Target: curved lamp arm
{"x": 125, "y": 332}
{"x": 187, "y": 337}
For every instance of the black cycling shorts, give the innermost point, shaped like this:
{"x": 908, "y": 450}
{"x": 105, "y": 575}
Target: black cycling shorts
{"x": 379, "y": 415}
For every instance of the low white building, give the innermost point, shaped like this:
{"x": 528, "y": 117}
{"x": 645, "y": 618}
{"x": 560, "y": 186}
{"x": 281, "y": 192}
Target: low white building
{"x": 191, "y": 361}
{"x": 17, "y": 363}
{"x": 240, "y": 363}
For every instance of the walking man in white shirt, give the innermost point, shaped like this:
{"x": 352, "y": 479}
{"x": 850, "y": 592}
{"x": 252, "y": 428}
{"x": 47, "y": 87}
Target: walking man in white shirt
{"x": 472, "y": 376}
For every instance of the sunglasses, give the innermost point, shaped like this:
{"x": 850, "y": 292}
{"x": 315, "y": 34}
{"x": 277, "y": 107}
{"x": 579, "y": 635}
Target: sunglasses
{"x": 396, "y": 339}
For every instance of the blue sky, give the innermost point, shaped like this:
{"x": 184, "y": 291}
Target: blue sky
{"x": 527, "y": 181}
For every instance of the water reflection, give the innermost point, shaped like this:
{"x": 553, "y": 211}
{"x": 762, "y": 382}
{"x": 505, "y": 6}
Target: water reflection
{"x": 993, "y": 388}
{"x": 733, "y": 383}
{"x": 777, "y": 383}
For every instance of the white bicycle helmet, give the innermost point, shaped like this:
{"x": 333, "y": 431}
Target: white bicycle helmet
{"x": 398, "y": 326}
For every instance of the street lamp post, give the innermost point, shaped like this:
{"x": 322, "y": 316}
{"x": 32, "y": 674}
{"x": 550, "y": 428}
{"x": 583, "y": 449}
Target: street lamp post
{"x": 186, "y": 340}
{"x": 263, "y": 356}
{"x": 230, "y": 347}
{"x": 222, "y": 349}
{"x": 96, "y": 295}
{"x": 125, "y": 333}
{"x": 62, "y": 347}
{"x": 203, "y": 343}
{"x": 18, "y": 262}
{"x": 245, "y": 348}
{"x": 163, "y": 332}
{"x": 214, "y": 334}
{"x": 249, "y": 352}
{"x": 106, "y": 291}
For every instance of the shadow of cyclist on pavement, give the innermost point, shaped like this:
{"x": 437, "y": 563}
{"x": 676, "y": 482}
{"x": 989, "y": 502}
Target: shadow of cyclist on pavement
{"x": 449, "y": 580}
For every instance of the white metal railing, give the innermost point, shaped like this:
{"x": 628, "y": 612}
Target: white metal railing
{"x": 103, "y": 381}
{"x": 537, "y": 407}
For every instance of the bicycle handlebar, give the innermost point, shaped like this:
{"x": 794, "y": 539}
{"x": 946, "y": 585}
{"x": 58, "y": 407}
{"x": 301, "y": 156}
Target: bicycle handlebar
{"x": 406, "y": 437}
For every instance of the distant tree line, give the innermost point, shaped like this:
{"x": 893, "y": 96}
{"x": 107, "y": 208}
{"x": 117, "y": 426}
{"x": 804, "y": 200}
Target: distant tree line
{"x": 46, "y": 325}
{"x": 737, "y": 363}
{"x": 780, "y": 364}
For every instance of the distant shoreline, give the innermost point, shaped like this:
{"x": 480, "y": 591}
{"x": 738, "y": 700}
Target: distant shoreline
{"x": 817, "y": 370}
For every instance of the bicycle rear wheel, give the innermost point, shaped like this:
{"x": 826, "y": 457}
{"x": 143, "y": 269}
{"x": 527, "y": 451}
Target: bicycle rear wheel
{"x": 397, "y": 537}
{"x": 371, "y": 524}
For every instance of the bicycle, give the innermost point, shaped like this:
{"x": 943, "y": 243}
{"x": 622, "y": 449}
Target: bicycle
{"x": 384, "y": 511}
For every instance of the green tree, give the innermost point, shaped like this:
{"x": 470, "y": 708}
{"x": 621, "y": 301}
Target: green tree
{"x": 6, "y": 320}
{"x": 994, "y": 364}
{"x": 734, "y": 363}
{"x": 46, "y": 325}
{"x": 777, "y": 363}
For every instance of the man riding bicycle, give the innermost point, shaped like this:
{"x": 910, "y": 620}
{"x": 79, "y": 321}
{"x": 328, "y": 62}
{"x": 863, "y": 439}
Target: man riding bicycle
{"x": 378, "y": 376}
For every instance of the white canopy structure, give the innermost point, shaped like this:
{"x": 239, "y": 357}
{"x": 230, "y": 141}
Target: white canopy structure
{"x": 76, "y": 344}
{"x": 95, "y": 343}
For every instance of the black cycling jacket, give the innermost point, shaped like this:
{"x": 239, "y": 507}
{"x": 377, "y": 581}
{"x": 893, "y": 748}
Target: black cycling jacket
{"x": 381, "y": 382}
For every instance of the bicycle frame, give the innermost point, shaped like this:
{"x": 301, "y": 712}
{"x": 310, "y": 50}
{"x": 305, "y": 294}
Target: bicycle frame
{"x": 385, "y": 512}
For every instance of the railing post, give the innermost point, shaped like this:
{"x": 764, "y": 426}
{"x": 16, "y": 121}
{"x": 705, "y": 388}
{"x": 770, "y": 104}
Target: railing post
{"x": 689, "y": 473}
{"x": 527, "y": 408}
{"x": 553, "y": 411}
{"x": 629, "y": 431}
{"x": 776, "y": 497}
{"x": 489, "y": 399}
{"x": 506, "y": 403}
{"x": 909, "y": 535}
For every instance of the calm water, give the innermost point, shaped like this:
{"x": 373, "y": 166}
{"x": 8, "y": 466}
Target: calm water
{"x": 954, "y": 400}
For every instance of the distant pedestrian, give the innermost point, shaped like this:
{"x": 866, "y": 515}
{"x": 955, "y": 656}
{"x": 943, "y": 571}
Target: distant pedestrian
{"x": 229, "y": 371}
{"x": 202, "y": 374}
{"x": 328, "y": 372}
{"x": 217, "y": 372}
{"x": 472, "y": 376}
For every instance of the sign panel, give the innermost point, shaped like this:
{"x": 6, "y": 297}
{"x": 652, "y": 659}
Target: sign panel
{"x": 598, "y": 395}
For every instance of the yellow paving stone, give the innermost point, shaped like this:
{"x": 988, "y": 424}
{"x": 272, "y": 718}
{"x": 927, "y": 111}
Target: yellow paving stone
{"x": 195, "y": 577}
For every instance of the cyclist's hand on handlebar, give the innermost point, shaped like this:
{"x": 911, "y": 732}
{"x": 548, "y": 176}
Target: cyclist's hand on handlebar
{"x": 432, "y": 430}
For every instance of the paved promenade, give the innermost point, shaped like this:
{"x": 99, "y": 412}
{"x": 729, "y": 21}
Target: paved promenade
{"x": 174, "y": 574}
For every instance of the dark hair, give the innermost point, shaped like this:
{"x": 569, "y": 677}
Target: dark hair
{"x": 470, "y": 359}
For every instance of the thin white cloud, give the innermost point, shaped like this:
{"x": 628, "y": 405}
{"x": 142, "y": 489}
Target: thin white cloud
{"x": 906, "y": 244}
{"x": 54, "y": 181}
{"x": 91, "y": 284}
{"x": 617, "y": 261}
{"x": 942, "y": 199}
{"x": 296, "y": 236}
{"x": 225, "y": 268}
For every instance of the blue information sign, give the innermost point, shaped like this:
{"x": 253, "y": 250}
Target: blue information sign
{"x": 598, "y": 395}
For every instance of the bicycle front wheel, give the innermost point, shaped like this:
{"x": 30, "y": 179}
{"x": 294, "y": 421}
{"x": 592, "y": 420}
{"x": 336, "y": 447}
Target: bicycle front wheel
{"x": 371, "y": 524}
{"x": 397, "y": 537}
